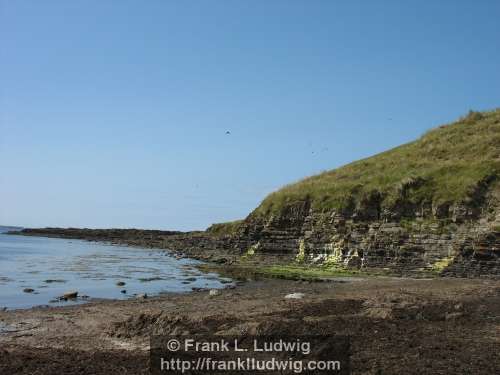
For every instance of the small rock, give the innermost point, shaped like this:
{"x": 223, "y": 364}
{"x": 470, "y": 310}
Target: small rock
{"x": 123, "y": 291}
{"x": 120, "y": 283}
{"x": 214, "y": 292}
{"x": 70, "y": 295}
{"x": 142, "y": 296}
{"x": 28, "y": 290}
{"x": 225, "y": 281}
{"x": 295, "y": 296}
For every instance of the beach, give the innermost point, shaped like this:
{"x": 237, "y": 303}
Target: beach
{"x": 395, "y": 325}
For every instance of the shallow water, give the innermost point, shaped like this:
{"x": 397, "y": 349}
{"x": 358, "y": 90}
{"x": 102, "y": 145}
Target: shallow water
{"x": 52, "y": 266}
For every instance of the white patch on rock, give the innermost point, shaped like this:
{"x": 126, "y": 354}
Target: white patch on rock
{"x": 295, "y": 296}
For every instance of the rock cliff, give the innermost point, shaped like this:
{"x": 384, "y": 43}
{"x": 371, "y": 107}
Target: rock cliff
{"x": 432, "y": 205}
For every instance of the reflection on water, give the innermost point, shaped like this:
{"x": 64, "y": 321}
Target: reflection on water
{"x": 53, "y": 266}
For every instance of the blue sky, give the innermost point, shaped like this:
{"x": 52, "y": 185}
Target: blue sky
{"x": 114, "y": 113}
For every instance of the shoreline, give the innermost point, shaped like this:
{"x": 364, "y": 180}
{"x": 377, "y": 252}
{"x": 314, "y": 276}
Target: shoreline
{"x": 454, "y": 321}
{"x": 196, "y": 245}
{"x": 391, "y": 248}
{"x": 133, "y": 288}
{"x": 396, "y": 324}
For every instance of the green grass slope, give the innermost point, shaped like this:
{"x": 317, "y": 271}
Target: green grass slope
{"x": 446, "y": 165}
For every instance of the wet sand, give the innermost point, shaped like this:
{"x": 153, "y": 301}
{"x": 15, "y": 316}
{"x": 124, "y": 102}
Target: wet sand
{"x": 397, "y": 326}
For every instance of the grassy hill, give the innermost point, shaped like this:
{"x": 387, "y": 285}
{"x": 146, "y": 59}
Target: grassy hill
{"x": 448, "y": 164}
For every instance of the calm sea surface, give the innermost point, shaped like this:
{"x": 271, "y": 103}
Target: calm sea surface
{"x": 54, "y": 266}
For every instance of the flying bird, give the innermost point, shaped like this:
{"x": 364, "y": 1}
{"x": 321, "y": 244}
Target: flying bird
{"x": 228, "y": 132}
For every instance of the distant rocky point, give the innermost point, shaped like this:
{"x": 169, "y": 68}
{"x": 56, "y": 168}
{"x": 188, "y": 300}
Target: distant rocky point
{"x": 5, "y": 228}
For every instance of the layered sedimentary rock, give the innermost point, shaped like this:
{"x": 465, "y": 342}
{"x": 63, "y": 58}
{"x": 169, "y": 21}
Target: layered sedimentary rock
{"x": 463, "y": 240}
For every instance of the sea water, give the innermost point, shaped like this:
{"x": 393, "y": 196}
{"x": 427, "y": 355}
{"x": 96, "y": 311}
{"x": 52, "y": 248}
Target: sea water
{"x": 53, "y": 266}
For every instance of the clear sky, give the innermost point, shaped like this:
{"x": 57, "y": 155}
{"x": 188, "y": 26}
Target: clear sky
{"x": 114, "y": 113}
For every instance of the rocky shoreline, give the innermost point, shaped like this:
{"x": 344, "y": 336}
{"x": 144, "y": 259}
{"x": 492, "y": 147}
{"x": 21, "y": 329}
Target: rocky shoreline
{"x": 463, "y": 248}
{"x": 197, "y": 245}
{"x": 396, "y": 326}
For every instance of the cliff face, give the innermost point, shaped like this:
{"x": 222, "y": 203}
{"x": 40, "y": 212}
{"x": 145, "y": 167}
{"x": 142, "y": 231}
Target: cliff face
{"x": 431, "y": 205}
{"x": 467, "y": 248}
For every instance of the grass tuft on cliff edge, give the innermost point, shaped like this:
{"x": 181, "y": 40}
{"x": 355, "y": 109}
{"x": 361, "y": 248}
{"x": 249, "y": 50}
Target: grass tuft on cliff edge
{"x": 224, "y": 229}
{"x": 446, "y": 165}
